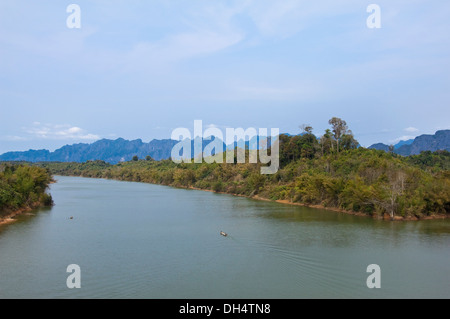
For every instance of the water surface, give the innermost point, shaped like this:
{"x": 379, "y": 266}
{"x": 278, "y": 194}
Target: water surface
{"x": 134, "y": 240}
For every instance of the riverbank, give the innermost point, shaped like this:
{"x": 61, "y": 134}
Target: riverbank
{"x": 271, "y": 249}
{"x": 22, "y": 188}
{"x": 334, "y": 209}
{"x": 287, "y": 202}
{"x": 384, "y": 217}
{"x": 11, "y": 216}
{"x": 359, "y": 182}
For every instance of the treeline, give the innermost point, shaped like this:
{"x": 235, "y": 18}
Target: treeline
{"x": 431, "y": 161}
{"x": 306, "y": 145}
{"x": 23, "y": 186}
{"x": 331, "y": 171}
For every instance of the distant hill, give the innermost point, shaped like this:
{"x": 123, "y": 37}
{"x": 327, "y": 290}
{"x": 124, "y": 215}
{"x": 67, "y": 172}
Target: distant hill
{"x": 112, "y": 151}
{"x": 401, "y": 143}
{"x": 439, "y": 141}
{"x": 384, "y": 147}
{"x": 380, "y": 147}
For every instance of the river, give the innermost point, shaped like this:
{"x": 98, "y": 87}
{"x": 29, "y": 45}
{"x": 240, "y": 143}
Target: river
{"x": 135, "y": 240}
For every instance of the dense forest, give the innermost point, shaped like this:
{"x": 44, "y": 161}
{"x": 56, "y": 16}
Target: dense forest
{"x": 331, "y": 171}
{"x": 23, "y": 187}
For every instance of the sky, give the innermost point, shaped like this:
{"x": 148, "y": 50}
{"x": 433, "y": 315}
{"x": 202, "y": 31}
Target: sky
{"x": 140, "y": 69}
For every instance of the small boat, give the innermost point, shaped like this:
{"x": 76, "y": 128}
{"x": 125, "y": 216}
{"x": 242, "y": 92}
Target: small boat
{"x": 71, "y": 217}
{"x": 223, "y": 234}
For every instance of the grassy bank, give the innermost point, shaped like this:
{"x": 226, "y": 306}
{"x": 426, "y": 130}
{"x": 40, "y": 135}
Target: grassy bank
{"x": 360, "y": 181}
{"x": 22, "y": 188}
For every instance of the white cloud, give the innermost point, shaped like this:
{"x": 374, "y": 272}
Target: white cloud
{"x": 411, "y": 129}
{"x": 206, "y": 30}
{"x": 59, "y": 132}
{"x": 13, "y": 138}
{"x": 402, "y": 138}
{"x": 215, "y": 26}
{"x": 303, "y": 91}
{"x": 61, "y": 45}
{"x": 179, "y": 47}
{"x": 438, "y": 128}
{"x": 288, "y": 17}
{"x": 218, "y": 126}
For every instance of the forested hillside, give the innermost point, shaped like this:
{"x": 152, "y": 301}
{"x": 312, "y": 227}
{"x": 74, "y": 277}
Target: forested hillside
{"x": 23, "y": 187}
{"x": 331, "y": 171}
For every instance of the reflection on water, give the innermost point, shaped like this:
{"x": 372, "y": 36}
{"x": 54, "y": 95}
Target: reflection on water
{"x": 135, "y": 240}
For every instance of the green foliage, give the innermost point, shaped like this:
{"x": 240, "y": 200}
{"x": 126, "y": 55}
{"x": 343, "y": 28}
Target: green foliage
{"x": 331, "y": 171}
{"x": 368, "y": 181}
{"x": 433, "y": 162}
{"x": 23, "y": 186}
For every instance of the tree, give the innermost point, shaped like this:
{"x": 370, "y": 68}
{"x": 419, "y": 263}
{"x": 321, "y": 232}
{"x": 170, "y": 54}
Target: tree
{"x": 339, "y": 127}
{"x": 394, "y": 189}
{"x": 306, "y": 128}
{"x": 23, "y": 186}
{"x": 348, "y": 142}
{"x": 307, "y": 144}
{"x": 135, "y": 158}
{"x": 326, "y": 142}
{"x": 148, "y": 158}
{"x": 391, "y": 191}
{"x": 285, "y": 156}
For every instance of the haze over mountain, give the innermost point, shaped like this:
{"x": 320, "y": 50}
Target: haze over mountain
{"x": 114, "y": 151}
{"x": 439, "y": 141}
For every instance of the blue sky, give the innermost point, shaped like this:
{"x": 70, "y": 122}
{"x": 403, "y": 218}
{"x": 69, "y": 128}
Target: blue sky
{"x": 139, "y": 69}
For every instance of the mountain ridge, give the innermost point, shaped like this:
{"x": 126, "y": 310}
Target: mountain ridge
{"x": 112, "y": 151}
{"x": 120, "y": 149}
{"x": 425, "y": 142}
